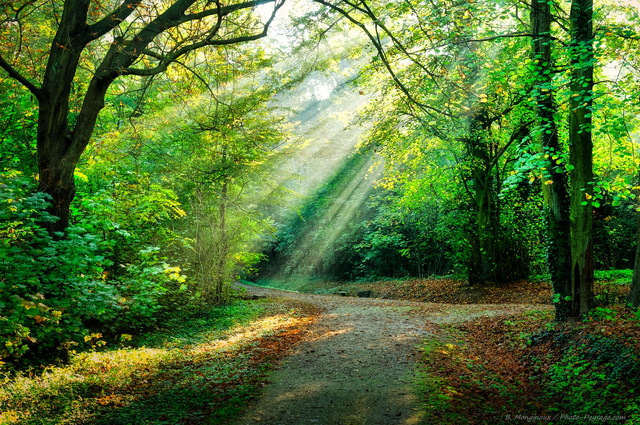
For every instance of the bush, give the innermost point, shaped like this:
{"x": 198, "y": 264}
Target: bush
{"x": 36, "y": 271}
{"x": 55, "y": 292}
{"x": 591, "y": 368}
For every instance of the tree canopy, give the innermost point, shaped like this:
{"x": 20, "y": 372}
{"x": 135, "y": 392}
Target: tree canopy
{"x": 156, "y": 151}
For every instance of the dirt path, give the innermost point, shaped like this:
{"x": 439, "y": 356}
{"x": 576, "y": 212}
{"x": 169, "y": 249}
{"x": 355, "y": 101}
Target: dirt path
{"x": 358, "y": 365}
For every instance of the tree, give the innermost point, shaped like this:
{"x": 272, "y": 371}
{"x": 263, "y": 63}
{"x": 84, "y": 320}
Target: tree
{"x": 581, "y": 155}
{"x": 572, "y": 253}
{"x": 555, "y": 184}
{"x": 127, "y": 39}
{"x": 458, "y": 84}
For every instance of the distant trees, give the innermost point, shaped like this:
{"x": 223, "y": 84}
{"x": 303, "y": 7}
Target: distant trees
{"x": 429, "y": 53}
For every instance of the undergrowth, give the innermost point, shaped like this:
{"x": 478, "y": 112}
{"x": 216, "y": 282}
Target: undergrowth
{"x": 201, "y": 370}
{"x": 526, "y": 368}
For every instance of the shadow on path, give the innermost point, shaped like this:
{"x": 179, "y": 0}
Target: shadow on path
{"x": 358, "y": 367}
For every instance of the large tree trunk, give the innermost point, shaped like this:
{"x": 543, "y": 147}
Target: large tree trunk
{"x": 56, "y": 178}
{"x": 60, "y": 144}
{"x": 555, "y": 191}
{"x": 581, "y": 153}
{"x": 60, "y": 148}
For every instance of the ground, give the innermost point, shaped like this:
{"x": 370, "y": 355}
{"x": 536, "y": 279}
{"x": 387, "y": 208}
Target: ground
{"x": 456, "y": 291}
{"x": 480, "y": 355}
{"x": 357, "y": 364}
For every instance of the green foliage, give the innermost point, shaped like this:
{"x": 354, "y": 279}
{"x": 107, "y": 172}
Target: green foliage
{"x": 595, "y": 377}
{"x": 40, "y": 275}
{"x": 588, "y": 368}
{"x": 17, "y": 131}
{"x": 132, "y": 221}
{"x": 614, "y": 276}
{"x": 405, "y": 240}
{"x": 55, "y": 290}
{"x": 614, "y": 234}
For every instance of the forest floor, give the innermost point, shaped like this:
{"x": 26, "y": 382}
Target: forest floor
{"x": 609, "y": 289}
{"x": 454, "y": 291}
{"x": 357, "y": 364}
{"x": 454, "y": 355}
{"x": 482, "y": 355}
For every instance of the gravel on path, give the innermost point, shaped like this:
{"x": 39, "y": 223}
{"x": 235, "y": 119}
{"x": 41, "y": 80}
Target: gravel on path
{"x": 358, "y": 366}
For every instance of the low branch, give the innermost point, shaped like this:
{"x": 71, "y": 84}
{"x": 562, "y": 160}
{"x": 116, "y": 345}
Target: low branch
{"x": 13, "y": 73}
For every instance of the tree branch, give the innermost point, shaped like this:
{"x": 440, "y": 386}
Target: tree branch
{"x": 226, "y": 10}
{"x": 114, "y": 19}
{"x": 13, "y": 73}
{"x": 166, "y": 60}
{"x": 383, "y": 55}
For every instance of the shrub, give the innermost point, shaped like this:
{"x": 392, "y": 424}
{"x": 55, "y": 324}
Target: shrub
{"x": 54, "y": 292}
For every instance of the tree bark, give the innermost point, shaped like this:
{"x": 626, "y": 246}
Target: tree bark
{"x": 555, "y": 190}
{"x": 581, "y": 155}
{"x": 634, "y": 295}
{"x": 482, "y": 267}
{"x": 55, "y": 140}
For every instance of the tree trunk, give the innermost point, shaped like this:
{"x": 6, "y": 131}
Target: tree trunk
{"x": 556, "y": 196}
{"x": 56, "y": 159}
{"x": 59, "y": 144}
{"x": 222, "y": 260}
{"x": 56, "y": 178}
{"x": 634, "y": 295}
{"x": 482, "y": 267}
{"x": 581, "y": 153}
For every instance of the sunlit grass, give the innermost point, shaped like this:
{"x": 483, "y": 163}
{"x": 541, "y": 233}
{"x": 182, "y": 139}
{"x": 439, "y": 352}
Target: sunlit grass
{"x": 194, "y": 372}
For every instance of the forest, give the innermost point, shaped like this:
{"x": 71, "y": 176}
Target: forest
{"x": 156, "y": 152}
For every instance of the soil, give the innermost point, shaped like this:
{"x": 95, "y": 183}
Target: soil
{"x": 357, "y": 364}
{"x": 456, "y": 291}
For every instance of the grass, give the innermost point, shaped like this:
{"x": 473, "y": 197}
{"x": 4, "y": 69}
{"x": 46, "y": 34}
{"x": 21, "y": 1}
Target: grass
{"x": 197, "y": 371}
{"x": 615, "y": 276}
